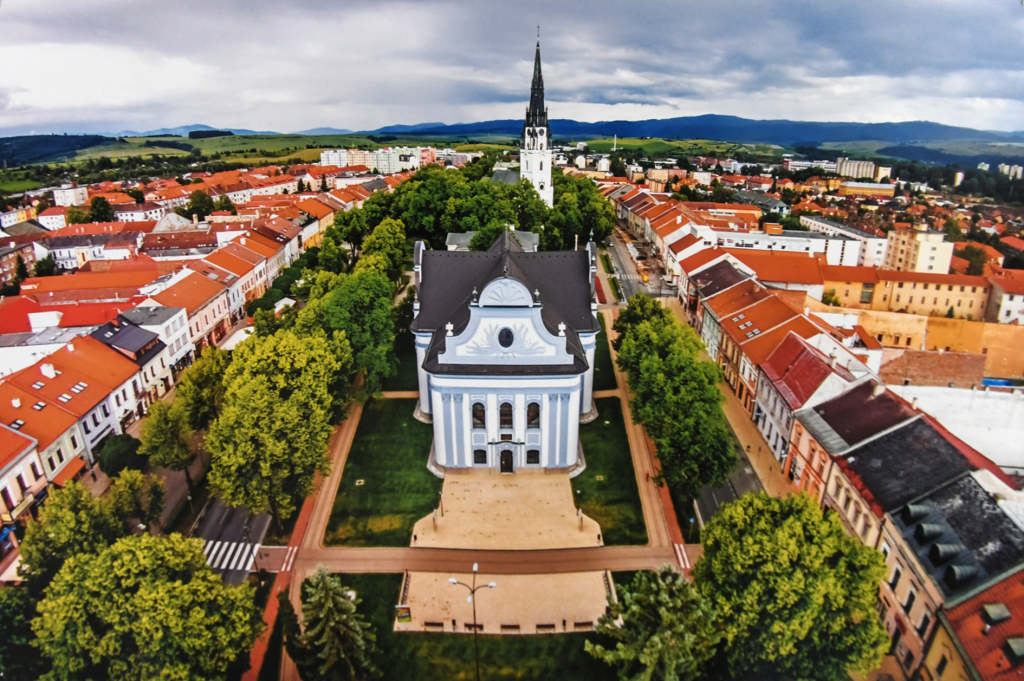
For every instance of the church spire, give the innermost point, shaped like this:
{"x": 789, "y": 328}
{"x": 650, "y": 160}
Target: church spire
{"x": 537, "y": 115}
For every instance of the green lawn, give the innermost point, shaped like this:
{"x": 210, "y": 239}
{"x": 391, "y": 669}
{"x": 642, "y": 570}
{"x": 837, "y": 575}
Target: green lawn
{"x": 389, "y": 455}
{"x": 406, "y": 378}
{"x": 614, "y": 500}
{"x": 13, "y": 186}
{"x": 604, "y": 372}
{"x": 446, "y": 657}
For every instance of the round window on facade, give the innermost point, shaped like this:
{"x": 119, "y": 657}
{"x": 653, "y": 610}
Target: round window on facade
{"x": 505, "y": 338}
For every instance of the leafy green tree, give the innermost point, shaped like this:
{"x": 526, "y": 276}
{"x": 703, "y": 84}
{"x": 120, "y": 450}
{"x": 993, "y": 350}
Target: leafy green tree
{"x": 486, "y": 236}
{"x": 144, "y": 608}
{"x": 351, "y": 228}
{"x": 667, "y": 632}
{"x": 617, "y": 168}
{"x": 829, "y": 297}
{"x": 361, "y": 306}
{"x": 952, "y": 230}
{"x": 77, "y": 216}
{"x": 796, "y": 595}
{"x": 976, "y": 259}
{"x": 71, "y": 522}
{"x": 225, "y": 204}
{"x": 271, "y": 436}
{"x": 118, "y": 453}
{"x": 100, "y": 210}
{"x": 338, "y": 644}
{"x": 388, "y": 240}
{"x": 46, "y": 267}
{"x": 375, "y": 262}
{"x": 136, "y": 194}
{"x": 200, "y": 205}
{"x": 18, "y": 662}
{"x": 332, "y": 255}
{"x": 323, "y": 184}
{"x": 20, "y": 270}
{"x": 300, "y": 187}
{"x": 639, "y": 308}
{"x": 201, "y": 387}
{"x": 950, "y": 313}
{"x": 135, "y": 498}
{"x": 676, "y": 396}
{"x": 164, "y": 439}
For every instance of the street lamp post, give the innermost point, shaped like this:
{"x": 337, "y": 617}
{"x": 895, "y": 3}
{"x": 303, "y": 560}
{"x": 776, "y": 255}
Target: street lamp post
{"x": 473, "y": 588}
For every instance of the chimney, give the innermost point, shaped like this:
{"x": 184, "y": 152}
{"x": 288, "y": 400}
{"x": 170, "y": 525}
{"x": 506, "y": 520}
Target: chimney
{"x": 878, "y": 389}
{"x": 913, "y": 404}
{"x": 16, "y": 403}
{"x": 832, "y": 361}
{"x": 48, "y": 371}
{"x": 71, "y": 347}
{"x": 195, "y": 219}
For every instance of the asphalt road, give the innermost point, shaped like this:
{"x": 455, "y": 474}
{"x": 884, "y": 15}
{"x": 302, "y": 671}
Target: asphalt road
{"x": 630, "y": 278}
{"x": 233, "y": 537}
{"x": 743, "y": 480}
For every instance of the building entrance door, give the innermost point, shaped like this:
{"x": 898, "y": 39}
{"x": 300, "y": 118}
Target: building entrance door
{"x": 506, "y": 461}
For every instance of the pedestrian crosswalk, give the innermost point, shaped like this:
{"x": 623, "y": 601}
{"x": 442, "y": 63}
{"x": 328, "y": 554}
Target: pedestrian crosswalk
{"x": 630, "y": 277}
{"x": 230, "y": 555}
{"x": 684, "y": 560}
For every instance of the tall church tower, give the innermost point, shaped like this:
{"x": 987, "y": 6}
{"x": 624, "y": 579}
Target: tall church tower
{"x": 535, "y": 152}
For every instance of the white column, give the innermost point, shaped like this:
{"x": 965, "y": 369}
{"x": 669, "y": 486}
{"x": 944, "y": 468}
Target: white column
{"x": 421, "y": 377}
{"x": 545, "y": 429}
{"x": 440, "y": 451}
{"x": 573, "y": 424}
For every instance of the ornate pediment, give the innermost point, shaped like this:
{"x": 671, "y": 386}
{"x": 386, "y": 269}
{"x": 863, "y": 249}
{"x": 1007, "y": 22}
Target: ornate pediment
{"x": 506, "y": 292}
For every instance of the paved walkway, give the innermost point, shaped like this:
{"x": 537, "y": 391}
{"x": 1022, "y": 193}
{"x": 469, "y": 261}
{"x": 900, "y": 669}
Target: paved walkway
{"x": 484, "y": 509}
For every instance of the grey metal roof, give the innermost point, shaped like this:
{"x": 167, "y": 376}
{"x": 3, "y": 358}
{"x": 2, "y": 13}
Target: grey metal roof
{"x": 529, "y": 241}
{"x": 717, "y": 278}
{"x": 505, "y": 176}
{"x": 150, "y": 316}
{"x": 906, "y": 463}
{"x": 126, "y": 336}
{"x": 961, "y": 537}
{"x": 448, "y": 278}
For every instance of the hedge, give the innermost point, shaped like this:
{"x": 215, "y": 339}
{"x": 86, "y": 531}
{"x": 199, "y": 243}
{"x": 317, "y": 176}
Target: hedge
{"x": 615, "y": 287}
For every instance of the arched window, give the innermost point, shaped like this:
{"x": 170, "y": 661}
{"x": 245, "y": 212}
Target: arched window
{"x": 533, "y": 415}
{"x": 505, "y": 415}
{"x": 479, "y": 416}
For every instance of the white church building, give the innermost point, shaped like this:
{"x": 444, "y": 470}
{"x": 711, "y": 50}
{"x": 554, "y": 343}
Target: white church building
{"x": 505, "y": 345}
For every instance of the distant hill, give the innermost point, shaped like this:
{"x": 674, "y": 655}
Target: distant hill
{"x": 731, "y": 129}
{"x": 184, "y": 130}
{"x": 324, "y": 131}
{"x": 15, "y": 151}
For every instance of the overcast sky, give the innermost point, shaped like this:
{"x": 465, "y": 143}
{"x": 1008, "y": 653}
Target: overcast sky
{"x": 288, "y": 65}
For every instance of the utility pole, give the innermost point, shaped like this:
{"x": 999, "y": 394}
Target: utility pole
{"x": 470, "y": 599}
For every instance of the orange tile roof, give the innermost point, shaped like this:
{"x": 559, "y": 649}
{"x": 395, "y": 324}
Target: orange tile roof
{"x": 315, "y": 208}
{"x": 683, "y": 244}
{"x": 192, "y": 293}
{"x": 93, "y": 359}
{"x": 60, "y": 391}
{"x": 45, "y": 426}
{"x": 734, "y": 299}
{"x": 761, "y": 347}
{"x": 258, "y": 244}
{"x": 865, "y": 275}
{"x": 933, "y": 277}
{"x": 1009, "y": 284}
{"x": 230, "y": 262}
{"x": 700, "y": 259}
{"x": 13, "y": 445}
{"x": 760, "y": 318}
{"x": 791, "y": 268}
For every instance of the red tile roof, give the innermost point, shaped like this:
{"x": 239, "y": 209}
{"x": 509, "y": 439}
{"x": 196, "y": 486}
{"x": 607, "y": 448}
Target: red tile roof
{"x": 986, "y": 646}
{"x": 1009, "y": 284}
{"x": 1013, "y": 242}
{"x": 683, "y": 244}
{"x": 797, "y": 370}
{"x": 88, "y": 280}
{"x": 14, "y": 312}
{"x": 864, "y": 275}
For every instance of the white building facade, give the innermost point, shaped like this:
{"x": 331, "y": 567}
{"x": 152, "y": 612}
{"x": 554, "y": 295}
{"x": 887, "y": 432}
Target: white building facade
{"x": 505, "y": 345}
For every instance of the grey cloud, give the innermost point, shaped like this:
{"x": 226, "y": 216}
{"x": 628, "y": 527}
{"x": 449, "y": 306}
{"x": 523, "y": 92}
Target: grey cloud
{"x": 307, "y": 63}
